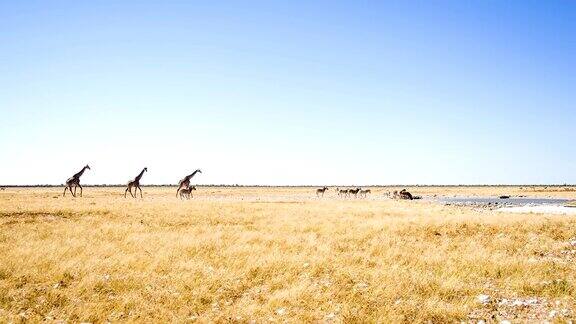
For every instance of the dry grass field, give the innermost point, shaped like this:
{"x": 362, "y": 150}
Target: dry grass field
{"x": 280, "y": 255}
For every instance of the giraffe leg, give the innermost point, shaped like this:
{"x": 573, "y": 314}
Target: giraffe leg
{"x": 133, "y": 196}
{"x": 80, "y": 190}
{"x": 140, "y": 191}
{"x": 73, "y": 193}
{"x": 125, "y": 191}
{"x": 65, "y": 188}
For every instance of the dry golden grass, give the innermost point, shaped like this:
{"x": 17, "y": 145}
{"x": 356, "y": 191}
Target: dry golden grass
{"x": 278, "y": 254}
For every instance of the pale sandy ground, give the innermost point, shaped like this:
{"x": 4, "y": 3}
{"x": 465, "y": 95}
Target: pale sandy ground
{"x": 558, "y": 210}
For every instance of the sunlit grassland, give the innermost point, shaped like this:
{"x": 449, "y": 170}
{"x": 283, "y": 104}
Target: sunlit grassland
{"x": 271, "y": 254}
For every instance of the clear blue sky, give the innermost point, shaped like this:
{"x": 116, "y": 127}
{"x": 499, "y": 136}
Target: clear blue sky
{"x": 288, "y": 92}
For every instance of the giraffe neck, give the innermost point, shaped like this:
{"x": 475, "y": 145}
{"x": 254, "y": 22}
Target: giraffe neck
{"x": 140, "y": 175}
{"x": 77, "y": 175}
{"x": 188, "y": 177}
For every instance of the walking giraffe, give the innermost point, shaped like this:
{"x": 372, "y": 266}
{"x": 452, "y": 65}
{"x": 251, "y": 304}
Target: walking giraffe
{"x": 185, "y": 183}
{"x": 136, "y": 184}
{"x": 75, "y": 181}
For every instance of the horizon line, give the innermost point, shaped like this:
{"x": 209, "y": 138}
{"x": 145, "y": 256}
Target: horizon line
{"x": 298, "y": 186}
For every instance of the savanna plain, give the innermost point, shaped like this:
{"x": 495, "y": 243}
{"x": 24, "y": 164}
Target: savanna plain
{"x": 281, "y": 255}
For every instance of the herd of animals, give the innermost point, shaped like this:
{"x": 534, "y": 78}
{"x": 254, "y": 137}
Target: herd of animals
{"x": 363, "y": 193}
{"x": 355, "y": 192}
{"x": 184, "y": 190}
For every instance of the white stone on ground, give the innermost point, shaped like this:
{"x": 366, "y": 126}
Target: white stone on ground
{"x": 484, "y": 299}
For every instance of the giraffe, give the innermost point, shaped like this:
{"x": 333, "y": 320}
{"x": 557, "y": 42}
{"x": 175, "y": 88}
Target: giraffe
{"x": 320, "y": 192}
{"x": 136, "y": 184}
{"x": 75, "y": 181}
{"x": 185, "y": 183}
